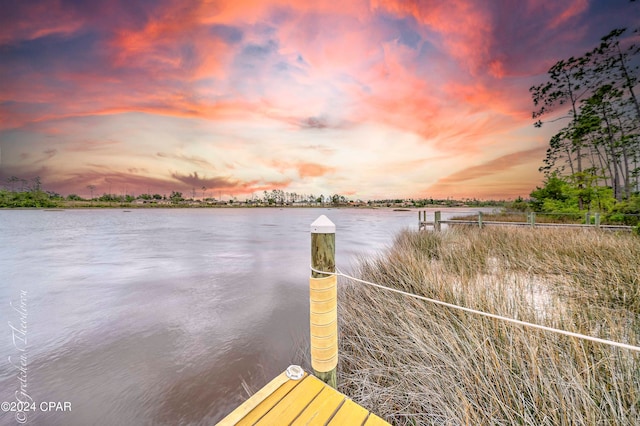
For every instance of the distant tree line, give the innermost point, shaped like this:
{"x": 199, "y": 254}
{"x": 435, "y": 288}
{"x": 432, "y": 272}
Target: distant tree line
{"x": 20, "y": 192}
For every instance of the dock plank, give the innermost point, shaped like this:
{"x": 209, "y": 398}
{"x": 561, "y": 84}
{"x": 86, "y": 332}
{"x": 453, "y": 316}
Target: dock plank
{"x": 264, "y": 406}
{"x": 239, "y": 413}
{"x": 349, "y": 413}
{"x": 374, "y": 420}
{"x": 287, "y": 409}
{"x": 321, "y": 409}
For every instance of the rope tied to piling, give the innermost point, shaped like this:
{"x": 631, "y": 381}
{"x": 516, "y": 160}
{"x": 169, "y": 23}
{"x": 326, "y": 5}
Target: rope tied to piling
{"x": 482, "y": 313}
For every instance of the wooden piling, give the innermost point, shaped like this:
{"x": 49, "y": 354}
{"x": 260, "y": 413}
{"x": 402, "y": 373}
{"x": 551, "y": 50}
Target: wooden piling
{"x": 323, "y": 297}
{"x": 480, "y": 220}
{"x": 598, "y": 220}
{"x": 436, "y": 221}
{"x": 532, "y": 219}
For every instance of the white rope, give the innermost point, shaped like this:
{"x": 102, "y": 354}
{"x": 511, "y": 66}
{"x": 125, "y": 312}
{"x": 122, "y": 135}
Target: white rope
{"x": 486, "y": 314}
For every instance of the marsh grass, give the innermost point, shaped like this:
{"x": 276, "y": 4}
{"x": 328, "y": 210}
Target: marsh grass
{"x": 413, "y": 362}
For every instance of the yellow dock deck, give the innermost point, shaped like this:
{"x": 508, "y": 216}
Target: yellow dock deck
{"x": 299, "y": 401}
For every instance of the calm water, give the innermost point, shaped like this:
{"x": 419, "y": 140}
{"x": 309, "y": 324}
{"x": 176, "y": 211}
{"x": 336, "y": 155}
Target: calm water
{"x": 160, "y": 316}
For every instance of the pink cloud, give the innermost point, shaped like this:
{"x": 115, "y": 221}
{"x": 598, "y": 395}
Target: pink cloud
{"x": 313, "y": 170}
{"x": 32, "y": 20}
{"x": 568, "y": 11}
{"x": 304, "y": 169}
{"x": 173, "y": 44}
{"x": 464, "y": 27}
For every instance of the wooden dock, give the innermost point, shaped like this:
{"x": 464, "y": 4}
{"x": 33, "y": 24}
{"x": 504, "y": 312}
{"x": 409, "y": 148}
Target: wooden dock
{"x": 298, "y": 398}
{"x": 437, "y": 223}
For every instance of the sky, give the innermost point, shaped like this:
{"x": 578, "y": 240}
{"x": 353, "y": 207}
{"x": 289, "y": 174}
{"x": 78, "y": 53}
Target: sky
{"x": 367, "y": 99}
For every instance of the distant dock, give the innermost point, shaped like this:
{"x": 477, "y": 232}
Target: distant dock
{"x": 437, "y": 222}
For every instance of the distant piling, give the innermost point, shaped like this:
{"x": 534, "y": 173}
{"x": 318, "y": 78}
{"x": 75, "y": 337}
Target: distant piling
{"x": 436, "y": 221}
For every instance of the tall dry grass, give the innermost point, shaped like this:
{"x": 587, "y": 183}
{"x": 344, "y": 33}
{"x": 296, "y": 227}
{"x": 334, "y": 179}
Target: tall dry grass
{"x": 413, "y": 362}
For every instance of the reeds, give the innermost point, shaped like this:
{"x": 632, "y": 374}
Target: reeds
{"x": 413, "y": 362}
